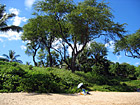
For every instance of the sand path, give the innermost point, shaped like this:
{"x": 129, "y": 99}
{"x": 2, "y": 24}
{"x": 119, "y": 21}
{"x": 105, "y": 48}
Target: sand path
{"x": 96, "y": 98}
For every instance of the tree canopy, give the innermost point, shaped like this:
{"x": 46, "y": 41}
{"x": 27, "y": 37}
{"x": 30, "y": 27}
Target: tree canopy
{"x": 76, "y": 25}
{"x": 12, "y": 57}
{"x": 130, "y": 44}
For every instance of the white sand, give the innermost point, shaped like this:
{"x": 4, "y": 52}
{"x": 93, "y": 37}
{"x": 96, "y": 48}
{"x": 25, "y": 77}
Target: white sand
{"x": 96, "y": 98}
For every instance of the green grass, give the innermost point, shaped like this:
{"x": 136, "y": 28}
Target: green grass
{"x": 16, "y": 77}
{"x": 133, "y": 83}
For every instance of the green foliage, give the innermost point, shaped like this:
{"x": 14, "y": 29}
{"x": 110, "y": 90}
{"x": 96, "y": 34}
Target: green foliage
{"x": 12, "y": 57}
{"x": 15, "y": 77}
{"x": 101, "y": 69}
{"x": 124, "y": 70}
{"x": 135, "y": 83}
{"x": 10, "y": 76}
{"x": 44, "y": 60}
{"x": 30, "y": 67}
{"x": 130, "y": 44}
{"x": 75, "y": 24}
{"x": 93, "y": 56}
{"x": 137, "y": 73}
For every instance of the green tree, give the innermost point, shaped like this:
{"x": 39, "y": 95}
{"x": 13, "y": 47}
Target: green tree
{"x": 32, "y": 34}
{"x": 94, "y": 55}
{"x": 3, "y": 21}
{"x": 83, "y": 61}
{"x": 127, "y": 70}
{"x": 98, "y": 55}
{"x": 32, "y": 49}
{"x": 12, "y": 56}
{"x": 55, "y": 58}
{"x": 98, "y": 52}
{"x": 43, "y": 58}
{"x": 37, "y": 33}
{"x": 79, "y": 24}
{"x": 137, "y": 73}
{"x": 124, "y": 70}
{"x": 115, "y": 69}
{"x": 130, "y": 44}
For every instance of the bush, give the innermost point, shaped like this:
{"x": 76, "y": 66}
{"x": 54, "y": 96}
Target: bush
{"x": 10, "y": 78}
{"x": 16, "y": 71}
{"x": 12, "y": 83}
{"x": 15, "y": 77}
{"x": 30, "y": 67}
{"x": 34, "y": 83}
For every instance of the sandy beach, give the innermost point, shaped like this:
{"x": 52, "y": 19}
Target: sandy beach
{"x": 96, "y": 98}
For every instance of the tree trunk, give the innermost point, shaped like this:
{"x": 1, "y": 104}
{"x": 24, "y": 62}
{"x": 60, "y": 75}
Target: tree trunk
{"x": 50, "y": 57}
{"x": 34, "y": 54}
{"x": 35, "y": 63}
{"x": 73, "y": 62}
{"x": 73, "y": 66}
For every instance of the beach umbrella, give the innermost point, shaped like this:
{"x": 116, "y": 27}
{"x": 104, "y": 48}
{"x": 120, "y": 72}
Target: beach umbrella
{"x": 79, "y": 85}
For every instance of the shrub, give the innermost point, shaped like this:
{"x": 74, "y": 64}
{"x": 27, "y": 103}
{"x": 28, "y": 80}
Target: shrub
{"x": 35, "y": 83}
{"x": 15, "y": 77}
{"x": 10, "y": 78}
{"x": 30, "y": 67}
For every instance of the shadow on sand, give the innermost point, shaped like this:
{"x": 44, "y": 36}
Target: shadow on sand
{"x": 34, "y": 94}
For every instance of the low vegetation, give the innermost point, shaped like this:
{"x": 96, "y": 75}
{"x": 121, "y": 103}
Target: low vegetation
{"x": 15, "y": 77}
{"x": 71, "y": 26}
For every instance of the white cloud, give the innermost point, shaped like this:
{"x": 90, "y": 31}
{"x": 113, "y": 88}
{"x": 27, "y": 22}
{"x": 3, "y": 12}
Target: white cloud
{"x": 27, "y": 41}
{"x": 57, "y": 44}
{"x": 11, "y": 35}
{"x": 23, "y": 47}
{"x": 89, "y": 43}
{"x": 79, "y": 47}
{"x": 14, "y": 10}
{"x": 110, "y": 45}
{"x": 29, "y": 3}
{"x": 17, "y": 20}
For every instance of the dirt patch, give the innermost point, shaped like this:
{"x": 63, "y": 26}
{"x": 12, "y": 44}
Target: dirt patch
{"x": 96, "y": 98}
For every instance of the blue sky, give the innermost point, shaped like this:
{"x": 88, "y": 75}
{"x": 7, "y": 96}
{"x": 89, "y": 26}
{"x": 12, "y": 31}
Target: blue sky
{"x": 124, "y": 11}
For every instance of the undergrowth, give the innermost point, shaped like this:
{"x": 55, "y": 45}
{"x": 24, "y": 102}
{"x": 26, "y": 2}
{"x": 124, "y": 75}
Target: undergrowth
{"x": 15, "y": 77}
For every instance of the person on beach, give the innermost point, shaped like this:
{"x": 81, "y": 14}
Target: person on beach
{"x": 84, "y": 92}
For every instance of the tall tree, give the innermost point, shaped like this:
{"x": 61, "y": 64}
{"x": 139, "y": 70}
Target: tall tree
{"x": 79, "y": 24}
{"x": 12, "y": 56}
{"x": 98, "y": 52}
{"x": 36, "y": 31}
{"x": 128, "y": 70}
{"x": 124, "y": 70}
{"x": 43, "y": 57}
{"x": 93, "y": 55}
{"x": 84, "y": 62}
{"x": 32, "y": 49}
{"x": 130, "y": 44}
{"x": 32, "y": 35}
{"x": 3, "y": 21}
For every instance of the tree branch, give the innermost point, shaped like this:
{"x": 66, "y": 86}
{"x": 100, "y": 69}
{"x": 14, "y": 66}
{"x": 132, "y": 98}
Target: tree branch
{"x": 61, "y": 31}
